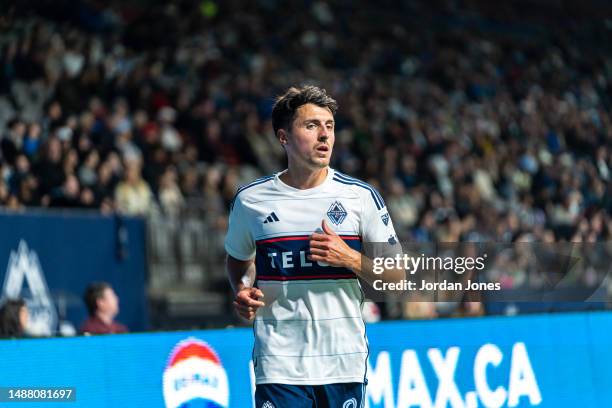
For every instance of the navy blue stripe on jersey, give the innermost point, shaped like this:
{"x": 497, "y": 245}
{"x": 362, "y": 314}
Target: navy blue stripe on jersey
{"x": 378, "y": 197}
{"x": 256, "y": 182}
{"x": 363, "y": 184}
{"x": 352, "y": 183}
{"x": 286, "y": 259}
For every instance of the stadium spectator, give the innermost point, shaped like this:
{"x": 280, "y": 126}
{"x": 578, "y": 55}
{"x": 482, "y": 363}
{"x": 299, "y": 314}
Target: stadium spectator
{"x": 49, "y": 166}
{"x": 68, "y": 195}
{"x": 13, "y": 318}
{"x": 170, "y": 196}
{"x": 103, "y": 306}
{"x": 133, "y": 195}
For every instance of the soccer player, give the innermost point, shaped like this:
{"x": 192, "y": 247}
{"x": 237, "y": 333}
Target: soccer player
{"x": 293, "y": 245}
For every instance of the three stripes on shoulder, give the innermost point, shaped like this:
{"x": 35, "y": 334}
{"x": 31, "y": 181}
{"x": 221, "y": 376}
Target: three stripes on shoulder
{"x": 271, "y": 218}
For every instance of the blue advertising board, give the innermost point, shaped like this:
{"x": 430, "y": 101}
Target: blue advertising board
{"x": 531, "y": 361}
{"x": 50, "y": 258}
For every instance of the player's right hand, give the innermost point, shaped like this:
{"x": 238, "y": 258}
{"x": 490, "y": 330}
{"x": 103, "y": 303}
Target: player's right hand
{"x": 247, "y": 302}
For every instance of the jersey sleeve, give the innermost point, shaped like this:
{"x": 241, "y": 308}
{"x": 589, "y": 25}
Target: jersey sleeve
{"x": 377, "y": 225}
{"x": 378, "y": 233}
{"x": 239, "y": 242}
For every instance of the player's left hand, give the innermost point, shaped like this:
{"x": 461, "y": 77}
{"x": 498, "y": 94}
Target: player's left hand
{"x": 328, "y": 247}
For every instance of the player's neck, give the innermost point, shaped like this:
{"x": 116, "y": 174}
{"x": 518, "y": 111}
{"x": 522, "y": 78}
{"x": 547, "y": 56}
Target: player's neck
{"x": 304, "y": 178}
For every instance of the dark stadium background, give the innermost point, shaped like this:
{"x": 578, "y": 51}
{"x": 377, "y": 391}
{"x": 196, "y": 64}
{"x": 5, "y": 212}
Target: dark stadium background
{"x": 477, "y": 121}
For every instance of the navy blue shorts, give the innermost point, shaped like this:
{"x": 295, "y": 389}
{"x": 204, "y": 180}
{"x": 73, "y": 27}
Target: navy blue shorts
{"x": 341, "y": 395}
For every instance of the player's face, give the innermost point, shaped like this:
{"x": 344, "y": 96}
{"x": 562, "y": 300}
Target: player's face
{"x": 311, "y": 139}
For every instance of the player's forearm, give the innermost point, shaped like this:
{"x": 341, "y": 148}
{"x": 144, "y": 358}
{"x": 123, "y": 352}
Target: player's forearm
{"x": 364, "y": 268}
{"x": 241, "y": 274}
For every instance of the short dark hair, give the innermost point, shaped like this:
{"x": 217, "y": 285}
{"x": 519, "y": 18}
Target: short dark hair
{"x": 10, "y": 323}
{"x": 287, "y": 104}
{"x": 94, "y": 292}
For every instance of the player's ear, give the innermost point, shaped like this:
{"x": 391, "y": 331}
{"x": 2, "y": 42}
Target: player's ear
{"x": 282, "y": 136}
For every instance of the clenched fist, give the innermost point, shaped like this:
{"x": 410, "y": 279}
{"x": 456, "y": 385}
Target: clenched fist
{"x": 247, "y": 302}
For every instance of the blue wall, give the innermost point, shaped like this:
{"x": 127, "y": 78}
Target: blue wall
{"x": 543, "y": 361}
{"x": 74, "y": 250}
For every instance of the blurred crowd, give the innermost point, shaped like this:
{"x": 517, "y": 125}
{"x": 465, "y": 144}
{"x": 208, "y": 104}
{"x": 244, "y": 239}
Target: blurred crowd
{"x": 474, "y": 126}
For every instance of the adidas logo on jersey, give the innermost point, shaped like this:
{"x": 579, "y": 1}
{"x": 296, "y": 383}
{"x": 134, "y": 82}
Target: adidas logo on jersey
{"x": 267, "y": 404}
{"x": 271, "y": 218}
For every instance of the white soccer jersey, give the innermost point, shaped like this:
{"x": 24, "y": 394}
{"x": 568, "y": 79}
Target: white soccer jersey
{"x": 310, "y": 331}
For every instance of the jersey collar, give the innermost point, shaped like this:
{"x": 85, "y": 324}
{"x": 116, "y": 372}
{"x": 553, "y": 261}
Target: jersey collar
{"x": 280, "y": 185}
